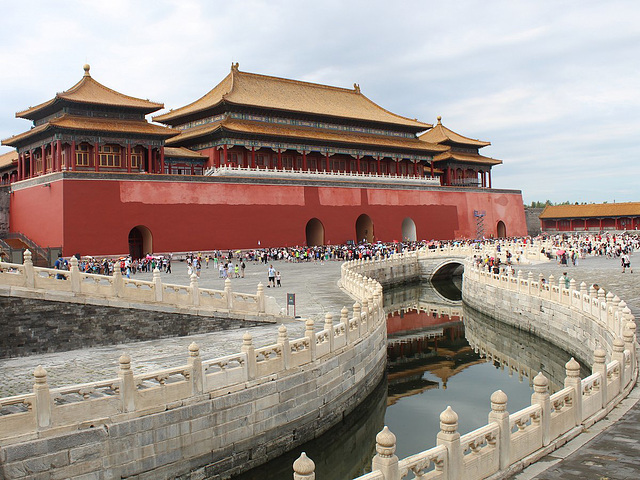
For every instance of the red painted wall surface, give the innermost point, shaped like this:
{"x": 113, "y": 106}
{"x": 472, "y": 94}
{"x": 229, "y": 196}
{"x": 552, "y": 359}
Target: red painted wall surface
{"x": 98, "y": 214}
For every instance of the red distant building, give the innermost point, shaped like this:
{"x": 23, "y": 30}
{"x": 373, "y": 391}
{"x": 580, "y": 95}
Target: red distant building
{"x": 594, "y": 217}
{"x": 257, "y": 161}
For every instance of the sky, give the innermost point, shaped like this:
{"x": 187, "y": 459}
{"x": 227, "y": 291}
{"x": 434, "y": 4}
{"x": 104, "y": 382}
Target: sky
{"x": 554, "y": 85}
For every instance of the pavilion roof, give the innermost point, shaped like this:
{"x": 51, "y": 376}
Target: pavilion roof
{"x": 182, "y": 152}
{"x": 111, "y": 125}
{"x": 9, "y": 158}
{"x": 466, "y": 158}
{"x": 441, "y": 134}
{"x": 626, "y": 209}
{"x": 88, "y": 91}
{"x": 250, "y": 89}
{"x": 298, "y": 133}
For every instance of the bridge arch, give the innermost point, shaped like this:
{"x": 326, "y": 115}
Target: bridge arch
{"x": 446, "y": 269}
{"x": 364, "y": 229}
{"x": 314, "y": 232}
{"x": 501, "y": 229}
{"x": 409, "y": 230}
{"x": 140, "y": 241}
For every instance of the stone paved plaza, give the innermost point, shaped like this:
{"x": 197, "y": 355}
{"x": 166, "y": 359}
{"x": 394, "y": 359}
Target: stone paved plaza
{"x": 615, "y": 454}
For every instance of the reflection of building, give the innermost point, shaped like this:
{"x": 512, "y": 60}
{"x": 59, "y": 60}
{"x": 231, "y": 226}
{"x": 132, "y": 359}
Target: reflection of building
{"x": 592, "y": 217}
{"x": 286, "y": 162}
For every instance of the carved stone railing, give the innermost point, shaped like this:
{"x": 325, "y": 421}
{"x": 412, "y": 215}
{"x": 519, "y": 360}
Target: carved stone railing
{"x": 92, "y": 288}
{"x": 51, "y": 411}
{"x": 510, "y": 442}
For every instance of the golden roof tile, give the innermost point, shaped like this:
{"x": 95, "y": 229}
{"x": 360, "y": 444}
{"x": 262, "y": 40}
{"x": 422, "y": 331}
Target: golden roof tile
{"x": 182, "y": 152}
{"x": 9, "y": 158}
{"x": 308, "y": 133}
{"x": 76, "y": 122}
{"x": 441, "y": 134}
{"x": 88, "y": 91}
{"x": 626, "y": 209}
{"x": 466, "y": 158}
{"x": 242, "y": 88}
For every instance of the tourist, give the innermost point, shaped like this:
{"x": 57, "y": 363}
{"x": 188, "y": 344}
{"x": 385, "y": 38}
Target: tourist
{"x": 566, "y": 280}
{"x": 242, "y": 267}
{"x": 626, "y": 263}
{"x": 278, "y": 278}
{"x": 271, "y": 275}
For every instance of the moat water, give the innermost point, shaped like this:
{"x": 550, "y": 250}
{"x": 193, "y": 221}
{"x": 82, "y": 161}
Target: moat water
{"x": 439, "y": 353}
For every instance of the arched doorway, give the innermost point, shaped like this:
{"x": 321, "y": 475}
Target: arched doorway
{"x": 502, "y": 229}
{"x": 409, "y": 230}
{"x": 364, "y": 229}
{"x": 314, "y": 232}
{"x": 140, "y": 241}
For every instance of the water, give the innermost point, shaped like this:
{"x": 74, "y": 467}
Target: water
{"x": 435, "y": 360}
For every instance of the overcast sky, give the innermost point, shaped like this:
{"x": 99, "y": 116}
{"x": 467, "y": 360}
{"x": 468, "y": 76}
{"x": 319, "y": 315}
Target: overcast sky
{"x": 553, "y": 85}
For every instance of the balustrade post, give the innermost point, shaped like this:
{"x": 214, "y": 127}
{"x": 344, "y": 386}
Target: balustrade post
{"x": 228, "y": 294}
{"x": 500, "y": 415}
{"x": 541, "y": 397}
{"x": 304, "y": 468}
{"x": 372, "y": 313}
{"x": 29, "y": 273}
{"x": 260, "y": 295}
{"x": 551, "y": 280}
{"x": 561, "y": 287}
{"x": 157, "y": 284}
{"x": 600, "y": 366}
{"x": 583, "y": 293}
{"x": 364, "y": 318}
{"x": 118, "y": 282}
{"x": 572, "y": 379}
{"x": 618, "y": 354}
{"x": 609, "y": 299}
{"x": 377, "y": 305}
{"x": 357, "y": 316}
{"x": 195, "y": 362}
{"x": 385, "y": 459}
{"x": 42, "y": 400}
{"x": 328, "y": 326}
{"x": 74, "y": 274}
{"x": 195, "y": 290}
{"x": 249, "y": 349}
{"x": 529, "y": 282}
{"x": 601, "y": 300}
{"x": 450, "y": 438}
{"x": 344, "y": 319}
{"x": 540, "y": 283}
{"x": 519, "y": 279}
{"x": 128, "y": 389}
{"x": 310, "y": 333}
{"x": 283, "y": 339}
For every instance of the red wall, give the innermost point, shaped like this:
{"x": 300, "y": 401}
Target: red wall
{"x": 98, "y": 214}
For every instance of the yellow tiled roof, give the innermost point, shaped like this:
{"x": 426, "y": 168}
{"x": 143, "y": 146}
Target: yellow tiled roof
{"x": 440, "y": 134}
{"x": 182, "y": 152}
{"x": 467, "y": 158}
{"x": 251, "y": 89}
{"x": 88, "y": 91}
{"x": 627, "y": 209}
{"x": 8, "y": 158}
{"x": 75, "y": 122}
{"x": 299, "y": 133}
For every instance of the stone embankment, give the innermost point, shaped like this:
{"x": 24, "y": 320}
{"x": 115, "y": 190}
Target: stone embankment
{"x": 598, "y": 329}
{"x": 208, "y": 418}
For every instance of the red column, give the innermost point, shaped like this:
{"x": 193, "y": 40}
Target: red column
{"x": 162, "y": 160}
{"x": 489, "y": 178}
{"x": 149, "y": 159}
{"x": 326, "y": 167}
{"x": 73, "y": 155}
{"x": 32, "y": 164}
{"x": 192, "y": 170}
{"x": 59, "y": 154}
{"x": 225, "y": 153}
{"x": 128, "y": 158}
{"x": 379, "y": 166}
{"x": 96, "y": 157}
{"x": 19, "y": 167}
{"x": 44, "y": 160}
{"x": 304, "y": 160}
{"x": 279, "y": 159}
{"x": 53, "y": 156}
{"x": 432, "y": 173}
{"x": 253, "y": 157}
{"x": 358, "y": 163}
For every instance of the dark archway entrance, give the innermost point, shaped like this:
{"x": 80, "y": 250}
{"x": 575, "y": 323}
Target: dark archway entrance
{"x": 364, "y": 229}
{"x": 409, "y": 230}
{"x": 140, "y": 241}
{"x": 502, "y": 229}
{"x": 314, "y": 232}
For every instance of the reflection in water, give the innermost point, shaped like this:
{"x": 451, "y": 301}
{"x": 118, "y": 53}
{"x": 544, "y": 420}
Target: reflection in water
{"x": 435, "y": 359}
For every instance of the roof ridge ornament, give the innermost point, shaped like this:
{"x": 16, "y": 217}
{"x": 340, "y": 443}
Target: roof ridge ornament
{"x": 439, "y": 120}
{"x": 86, "y": 68}
{"x": 235, "y": 66}
{"x": 356, "y": 87}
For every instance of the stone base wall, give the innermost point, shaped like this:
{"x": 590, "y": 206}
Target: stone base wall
{"x": 213, "y": 435}
{"x": 31, "y": 326}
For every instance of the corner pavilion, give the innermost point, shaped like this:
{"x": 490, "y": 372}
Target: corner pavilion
{"x": 306, "y": 163}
